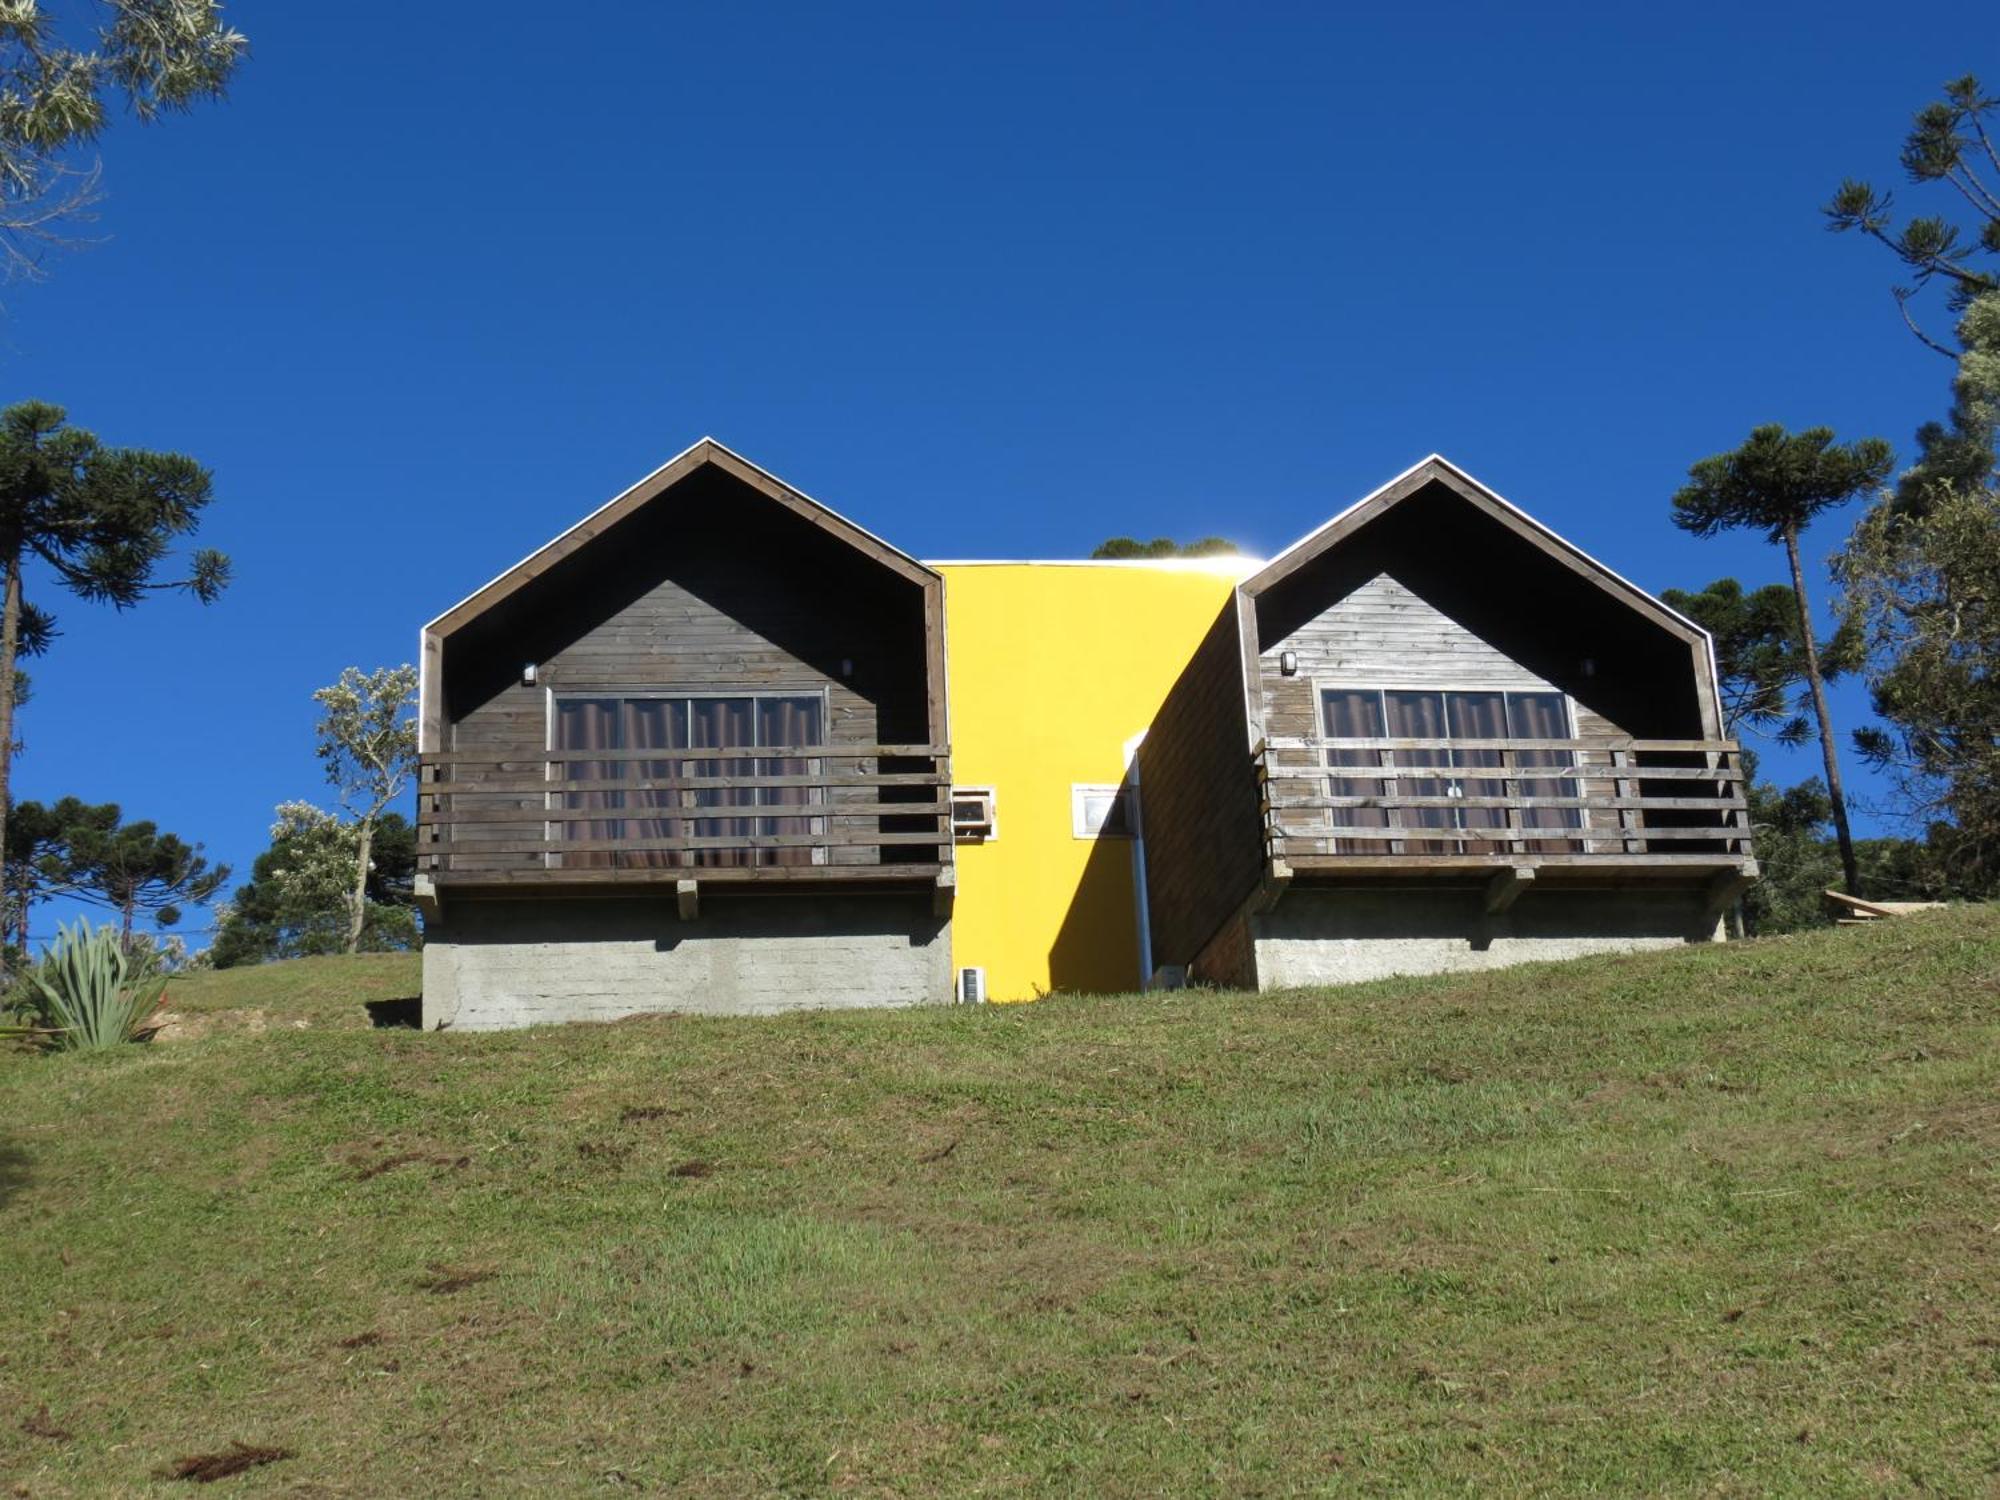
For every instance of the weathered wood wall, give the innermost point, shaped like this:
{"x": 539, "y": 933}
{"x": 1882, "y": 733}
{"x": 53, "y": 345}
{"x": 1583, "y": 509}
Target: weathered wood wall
{"x": 1198, "y": 789}
{"x": 712, "y": 588}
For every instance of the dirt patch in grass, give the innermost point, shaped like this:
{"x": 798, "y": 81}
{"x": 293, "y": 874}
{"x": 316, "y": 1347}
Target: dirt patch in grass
{"x": 410, "y": 1159}
{"x": 640, "y": 1114}
{"x": 206, "y": 1468}
{"x": 695, "y": 1168}
{"x": 39, "y": 1424}
{"x": 444, "y": 1280}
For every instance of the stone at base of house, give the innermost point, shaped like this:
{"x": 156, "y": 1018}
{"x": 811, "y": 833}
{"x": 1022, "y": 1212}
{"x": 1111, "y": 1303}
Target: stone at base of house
{"x": 1341, "y": 936}
{"x": 499, "y": 963}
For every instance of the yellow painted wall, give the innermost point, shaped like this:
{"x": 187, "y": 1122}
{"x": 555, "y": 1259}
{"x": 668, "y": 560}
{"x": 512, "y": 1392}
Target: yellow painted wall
{"x": 1054, "y": 668}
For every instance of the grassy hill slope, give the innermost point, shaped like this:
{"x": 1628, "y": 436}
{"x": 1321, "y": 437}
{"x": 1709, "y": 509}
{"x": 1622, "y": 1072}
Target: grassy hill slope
{"x": 1723, "y": 1221}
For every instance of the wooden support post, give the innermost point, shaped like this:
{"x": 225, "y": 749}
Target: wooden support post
{"x": 689, "y": 894}
{"x": 1727, "y": 887}
{"x": 1505, "y": 888}
{"x": 430, "y": 905}
{"x": 1621, "y": 788}
{"x": 943, "y": 891}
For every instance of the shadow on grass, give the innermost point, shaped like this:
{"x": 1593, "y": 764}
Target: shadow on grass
{"x": 13, "y": 1171}
{"x": 407, "y": 1012}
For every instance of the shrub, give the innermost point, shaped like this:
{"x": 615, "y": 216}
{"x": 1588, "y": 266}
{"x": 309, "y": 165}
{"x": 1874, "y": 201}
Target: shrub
{"x": 89, "y": 994}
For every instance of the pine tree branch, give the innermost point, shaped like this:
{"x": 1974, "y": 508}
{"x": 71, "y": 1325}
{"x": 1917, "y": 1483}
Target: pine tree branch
{"x": 1903, "y": 306}
{"x": 1975, "y": 193}
{"x": 1979, "y": 129}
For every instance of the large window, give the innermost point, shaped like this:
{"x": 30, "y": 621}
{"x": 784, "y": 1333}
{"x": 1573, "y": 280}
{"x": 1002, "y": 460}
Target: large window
{"x": 1443, "y": 775}
{"x": 678, "y": 796}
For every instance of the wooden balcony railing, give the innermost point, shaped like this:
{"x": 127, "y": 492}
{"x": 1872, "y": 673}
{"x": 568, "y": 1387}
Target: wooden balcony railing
{"x": 1654, "y": 802}
{"x": 797, "y": 812}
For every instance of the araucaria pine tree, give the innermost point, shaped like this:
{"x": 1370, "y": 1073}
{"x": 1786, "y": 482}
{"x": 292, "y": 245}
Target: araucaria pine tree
{"x": 96, "y": 521}
{"x": 1776, "y": 483}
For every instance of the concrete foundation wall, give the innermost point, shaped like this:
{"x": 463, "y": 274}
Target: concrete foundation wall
{"x": 500, "y": 963}
{"x": 1339, "y": 936}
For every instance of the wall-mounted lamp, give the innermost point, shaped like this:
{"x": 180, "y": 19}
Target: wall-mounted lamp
{"x": 1288, "y": 663}
{"x": 528, "y": 675}
{"x": 1590, "y": 666}
{"x": 846, "y": 667}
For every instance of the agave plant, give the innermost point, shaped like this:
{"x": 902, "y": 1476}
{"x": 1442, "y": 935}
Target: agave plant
{"x": 90, "y": 995}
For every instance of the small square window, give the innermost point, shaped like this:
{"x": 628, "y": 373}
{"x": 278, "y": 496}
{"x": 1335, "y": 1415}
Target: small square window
{"x": 1101, "y": 812}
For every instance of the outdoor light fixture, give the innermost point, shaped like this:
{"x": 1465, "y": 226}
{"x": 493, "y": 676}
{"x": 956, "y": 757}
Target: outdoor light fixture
{"x": 1288, "y": 663}
{"x": 528, "y": 675}
{"x": 1590, "y": 666}
{"x": 846, "y": 667}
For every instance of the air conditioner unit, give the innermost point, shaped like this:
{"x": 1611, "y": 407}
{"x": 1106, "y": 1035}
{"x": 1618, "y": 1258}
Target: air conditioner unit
{"x": 973, "y": 818}
{"x": 971, "y": 986}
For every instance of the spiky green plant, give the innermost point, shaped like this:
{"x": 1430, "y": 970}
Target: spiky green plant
{"x": 90, "y": 995}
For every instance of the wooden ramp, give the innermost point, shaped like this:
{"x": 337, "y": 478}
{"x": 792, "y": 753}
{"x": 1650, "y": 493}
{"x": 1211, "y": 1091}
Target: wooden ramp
{"x": 1852, "y": 911}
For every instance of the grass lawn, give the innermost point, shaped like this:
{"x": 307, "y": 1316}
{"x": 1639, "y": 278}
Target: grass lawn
{"x": 1722, "y": 1221}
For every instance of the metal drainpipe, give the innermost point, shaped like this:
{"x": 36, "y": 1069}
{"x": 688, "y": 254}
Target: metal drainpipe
{"x": 1141, "y": 901}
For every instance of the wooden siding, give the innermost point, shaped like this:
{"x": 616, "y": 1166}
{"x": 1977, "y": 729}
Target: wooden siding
{"x": 1384, "y": 635}
{"x": 1198, "y": 788}
{"x": 715, "y": 588}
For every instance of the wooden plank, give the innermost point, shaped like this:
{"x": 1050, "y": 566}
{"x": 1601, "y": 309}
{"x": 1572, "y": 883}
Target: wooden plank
{"x": 1450, "y": 835}
{"x": 1586, "y": 802}
{"x": 529, "y": 757}
{"x": 530, "y": 786}
{"x": 687, "y": 895}
{"x": 1620, "y": 742}
{"x": 666, "y": 845}
{"x": 841, "y": 812}
{"x": 1309, "y": 861}
{"x": 914, "y": 874}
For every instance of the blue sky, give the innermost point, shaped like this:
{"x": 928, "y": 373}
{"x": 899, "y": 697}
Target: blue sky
{"x": 994, "y": 282}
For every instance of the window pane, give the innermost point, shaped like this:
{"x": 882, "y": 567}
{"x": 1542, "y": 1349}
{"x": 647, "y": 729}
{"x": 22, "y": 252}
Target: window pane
{"x": 1355, "y": 713}
{"x": 1544, "y": 716}
{"x": 1479, "y": 716}
{"x": 652, "y": 724}
{"x": 793, "y": 723}
{"x": 1420, "y": 716}
{"x": 1101, "y": 812}
{"x": 589, "y": 724}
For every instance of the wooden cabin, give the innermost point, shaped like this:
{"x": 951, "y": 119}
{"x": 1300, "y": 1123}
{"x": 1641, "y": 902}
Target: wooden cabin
{"x": 1434, "y": 735}
{"x": 690, "y": 755}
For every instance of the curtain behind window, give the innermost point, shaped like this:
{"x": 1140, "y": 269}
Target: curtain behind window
{"x": 589, "y": 724}
{"x": 1544, "y": 716}
{"x": 722, "y": 724}
{"x": 653, "y": 724}
{"x": 1355, "y": 714}
{"x": 1479, "y": 716}
{"x": 1421, "y": 716}
{"x": 790, "y": 722}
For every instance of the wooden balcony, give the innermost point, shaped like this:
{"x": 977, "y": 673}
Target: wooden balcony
{"x": 1575, "y": 811}
{"x": 825, "y": 815}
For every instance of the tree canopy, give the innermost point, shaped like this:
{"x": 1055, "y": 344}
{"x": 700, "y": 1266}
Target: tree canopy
{"x": 296, "y": 901}
{"x": 1760, "y": 655}
{"x": 135, "y": 868}
{"x": 100, "y": 521}
{"x": 1777, "y": 483}
{"x": 1120, "y": 547}
{"x": 368, "y": 745}
{"x": 57, "y": 89}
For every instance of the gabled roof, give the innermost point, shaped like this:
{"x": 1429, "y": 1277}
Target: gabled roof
{"x": 1441, "y": 471}
{"x": 655, "y": 487}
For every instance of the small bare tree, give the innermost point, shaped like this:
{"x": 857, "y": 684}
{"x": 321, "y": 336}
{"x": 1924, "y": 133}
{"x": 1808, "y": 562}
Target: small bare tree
{"x": 368, "y": 744}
